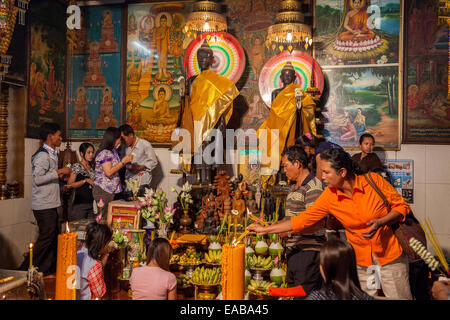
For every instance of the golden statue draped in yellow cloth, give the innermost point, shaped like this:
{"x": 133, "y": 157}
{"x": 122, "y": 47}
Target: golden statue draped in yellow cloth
{"x": 211, "y": 99}
{"x": 283, "y": 116}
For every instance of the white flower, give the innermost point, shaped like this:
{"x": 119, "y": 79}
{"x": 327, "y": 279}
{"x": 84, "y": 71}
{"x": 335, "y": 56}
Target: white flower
{"x": 187, "y": 187}
{"x": 149, "y": 193}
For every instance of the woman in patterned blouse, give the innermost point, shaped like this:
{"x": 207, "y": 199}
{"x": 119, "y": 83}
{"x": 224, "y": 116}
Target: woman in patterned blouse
{"x": 82, "y": 180}
{"x": 107, "y": 166}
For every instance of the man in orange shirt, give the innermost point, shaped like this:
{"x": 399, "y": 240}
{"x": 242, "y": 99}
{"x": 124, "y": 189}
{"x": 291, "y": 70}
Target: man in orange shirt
{"x": 351, "y": 200}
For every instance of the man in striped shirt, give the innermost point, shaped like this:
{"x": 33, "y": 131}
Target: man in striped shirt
{"x": 302, "y": 250}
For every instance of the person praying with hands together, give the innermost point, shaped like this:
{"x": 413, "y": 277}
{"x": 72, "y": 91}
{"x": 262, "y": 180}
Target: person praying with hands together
{"x": 360, "y": 209}
{"x": 107, "y": 166}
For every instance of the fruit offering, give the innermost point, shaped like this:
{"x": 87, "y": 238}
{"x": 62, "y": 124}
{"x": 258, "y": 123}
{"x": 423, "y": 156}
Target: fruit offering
{"x": 261, "y": 246}
{"x": 202, "y": 276}
{"x": 213, "y": 256}
{"x": 183, "y": 281}
{"x": 260, "y": 287}
{"x": 187, "y": 258}
{"x": 258, "y": 262}
{"x": 174, "y": 259}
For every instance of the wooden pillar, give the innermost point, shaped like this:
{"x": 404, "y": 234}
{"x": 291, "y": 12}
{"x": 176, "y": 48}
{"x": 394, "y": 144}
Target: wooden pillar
{"x": 4, "y": 97}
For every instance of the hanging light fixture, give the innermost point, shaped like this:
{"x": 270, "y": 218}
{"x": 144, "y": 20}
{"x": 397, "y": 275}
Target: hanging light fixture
{"x": 205, "y": 17}
{"x": 8, "y": 14}
{"x": 289, "y": 30}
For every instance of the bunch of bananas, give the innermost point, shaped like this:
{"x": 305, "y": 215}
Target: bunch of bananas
{"x": 174, "y": 259}
{"x": 260, "y": 287}
{"x": 214, "y": 256}
{"x": 259, "y": 262}
{"x": 189, "y": 259}
{"x": 206, "y": 276}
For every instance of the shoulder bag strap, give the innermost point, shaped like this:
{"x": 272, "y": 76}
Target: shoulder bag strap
{"x": 380, "y": 193}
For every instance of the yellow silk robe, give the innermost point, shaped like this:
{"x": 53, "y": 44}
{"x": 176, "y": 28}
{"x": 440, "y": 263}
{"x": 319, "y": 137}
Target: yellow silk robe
{"x": 283, "y": 117}
{"x": 212, "y": 96}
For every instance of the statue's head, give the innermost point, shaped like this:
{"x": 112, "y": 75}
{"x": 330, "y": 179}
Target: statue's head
{"x": 287, "y": 74}
{"x": 205, "y": 56}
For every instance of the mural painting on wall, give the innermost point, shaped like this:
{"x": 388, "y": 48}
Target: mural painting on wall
{"x": 47, "y": 66}
{"x": 155, "y": 50}
{"x": 94, "y": 77}
{"x": 427, "y": 111}
{"x": 248, "y": 22}
{"x": 358, "y": 50}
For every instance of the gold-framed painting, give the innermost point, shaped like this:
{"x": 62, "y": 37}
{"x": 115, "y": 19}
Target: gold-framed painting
{"x": 154, "y": 68}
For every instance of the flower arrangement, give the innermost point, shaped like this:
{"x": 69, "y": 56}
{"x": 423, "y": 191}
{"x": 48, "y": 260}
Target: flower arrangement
{"x": 184, "y": 196}
{"x": 133, "y": 185}
{"x": 153, "y": 206}
{"x": 120, "y": 240}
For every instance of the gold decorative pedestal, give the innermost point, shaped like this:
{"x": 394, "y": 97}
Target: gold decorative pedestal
{"x": 185, "y": 221}
{"x": 205, "y": 291}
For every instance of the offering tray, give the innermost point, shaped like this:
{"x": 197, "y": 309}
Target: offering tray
{"x": 190, "y": 268}
{"x": 258, "y": 273}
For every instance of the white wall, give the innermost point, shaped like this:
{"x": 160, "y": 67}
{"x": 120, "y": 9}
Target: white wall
{"x": 431, "y": 196}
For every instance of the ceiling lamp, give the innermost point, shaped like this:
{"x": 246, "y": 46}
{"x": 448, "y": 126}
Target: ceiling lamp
{"x": 8, "y": 14}
{"x": 205, "y": 17}
{"x": 289, "y": 30}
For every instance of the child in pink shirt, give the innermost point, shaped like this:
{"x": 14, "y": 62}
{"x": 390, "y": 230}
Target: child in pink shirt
{"x": 154, "y": 281}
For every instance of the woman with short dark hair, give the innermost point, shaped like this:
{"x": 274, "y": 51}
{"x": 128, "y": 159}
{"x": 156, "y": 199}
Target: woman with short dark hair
{"x": 338, "y": 270}
{"x": 107, "y": 166}
{"x": 154, "y": 281}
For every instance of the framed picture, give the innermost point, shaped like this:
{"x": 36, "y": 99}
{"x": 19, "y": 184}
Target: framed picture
{"x": 94, "y": 74}
{"x": 426, "y": 116}
{"x": 362, "y": 70}
{"x": 123, "y": 214}
{"x": 154, "y": 68}
{"x": 46, "y": 91}
{"x": 249, "y": 166}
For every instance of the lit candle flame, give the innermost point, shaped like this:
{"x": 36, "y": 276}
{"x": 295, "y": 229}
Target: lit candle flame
{"x": 31, "y": 245}
{"x": 67, "y": 227}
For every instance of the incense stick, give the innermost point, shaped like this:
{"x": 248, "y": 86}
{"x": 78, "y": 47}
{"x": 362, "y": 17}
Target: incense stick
{"x": 438, "y": 247}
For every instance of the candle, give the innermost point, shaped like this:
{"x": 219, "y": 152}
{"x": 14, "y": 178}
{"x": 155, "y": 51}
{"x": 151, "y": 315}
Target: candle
{"x": 152, "y": 235}
{"x": 67, "y": 257}
{"x": 233, "y": 262}
{"x": 263, "y": 202}
{"x": 74, "y": 290}
{"x": 235, "y": 227}
{"x": 31, "y": 255}
{"x": 173, "y": 234}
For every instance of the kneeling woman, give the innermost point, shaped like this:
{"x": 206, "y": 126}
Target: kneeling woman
{"x": 154, "y": 281}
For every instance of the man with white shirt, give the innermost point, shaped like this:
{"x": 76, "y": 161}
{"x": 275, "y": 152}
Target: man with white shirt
{"x": 45, "y": 197}
{"x": 144, "y": 161}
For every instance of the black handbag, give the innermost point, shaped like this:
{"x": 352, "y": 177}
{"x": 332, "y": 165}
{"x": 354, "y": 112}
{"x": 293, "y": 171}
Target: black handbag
{"x": 402, "y": 230}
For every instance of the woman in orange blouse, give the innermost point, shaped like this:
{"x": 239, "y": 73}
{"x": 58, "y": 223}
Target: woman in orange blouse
{"x": 351, "y": 200}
